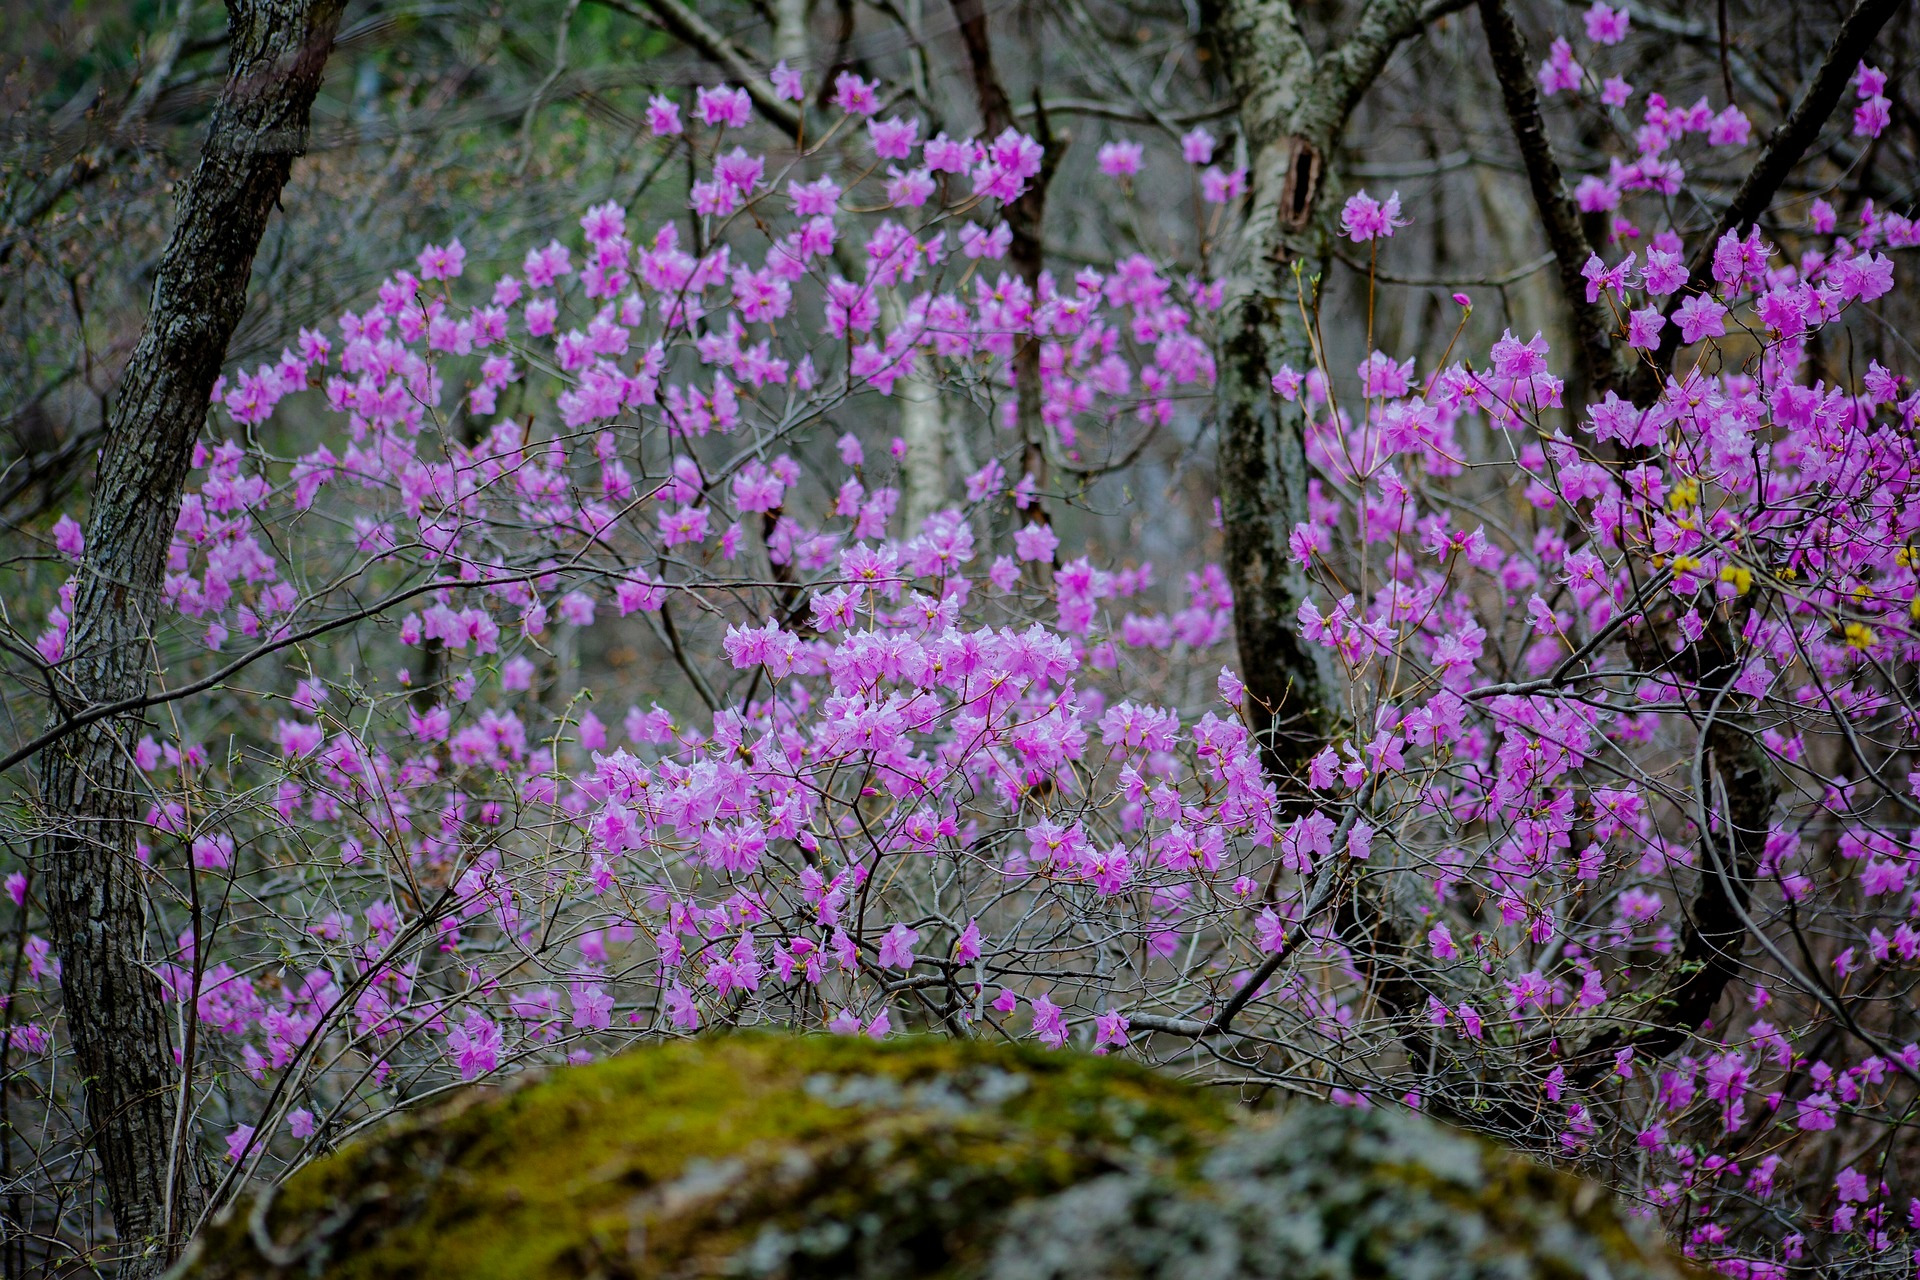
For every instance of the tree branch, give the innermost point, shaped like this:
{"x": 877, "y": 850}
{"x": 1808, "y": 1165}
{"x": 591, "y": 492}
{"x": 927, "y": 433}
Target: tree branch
{"x": 695, "y": 30}
{"x": 1785, "y": 147}
{"x": 1797, "y": 132}
{"x": 96, "y": 905}
{"x": 1026, "y": 220}
{"x": 1348, "y": 70}
{"x": 1559, "y": 216}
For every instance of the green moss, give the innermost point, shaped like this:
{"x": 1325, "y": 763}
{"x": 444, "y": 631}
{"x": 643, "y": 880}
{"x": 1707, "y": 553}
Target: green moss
{"x": 826, "y": 1157}
{"x": 704, "y": 1147}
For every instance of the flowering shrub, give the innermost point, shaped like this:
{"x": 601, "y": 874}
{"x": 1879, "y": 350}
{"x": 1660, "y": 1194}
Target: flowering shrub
{"x": 1614, "y": 857}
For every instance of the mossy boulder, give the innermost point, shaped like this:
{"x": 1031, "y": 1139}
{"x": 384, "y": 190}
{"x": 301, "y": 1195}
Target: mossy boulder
{"x": 817, "y": 1157}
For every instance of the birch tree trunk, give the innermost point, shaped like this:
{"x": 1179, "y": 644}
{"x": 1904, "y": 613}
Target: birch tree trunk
{"x": 1293, "y": 107}
{"x": 114, "y": 1006}
{"x": 925, "y": 470}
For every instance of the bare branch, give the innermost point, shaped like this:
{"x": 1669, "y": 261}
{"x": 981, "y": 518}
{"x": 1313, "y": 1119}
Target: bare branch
{"x": 695, "y": 30}
{"x": 1786, "y": 146}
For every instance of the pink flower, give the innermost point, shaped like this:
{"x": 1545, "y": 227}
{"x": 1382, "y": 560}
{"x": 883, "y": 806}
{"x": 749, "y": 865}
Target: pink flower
{"x": 1364, "y": 218}
{"x": 1219, "y": 186}
{"x": 896, "y": 947}
{"x": 438, "y": 263}
{"x": 966, "y": 948}
{"x": 213, "y": 853}
{"x": 1470, "y": 1020}
{"x": 894, "y": 138}
{"x": 1110, "y": 1030}
{"x": 1643, "y": 328}
{"x": 1011, "y": 159}
{"x": 1816, "y": 1112}
{"x": 978, "y": 243}
{"x": 688, "y": 524}
{"x": 298, "y": 739}
{"x": 1730, "y": 128}
{"x": 663, "y": 118}
{"x": 476, "y": 1045}
{"x": 1196, "y": 146}
{"x": 68, "y": 538}
{"x": 945, "y": 155}
{"x": 239, "y": 1141}
{"x": 592, "y": 1007}
{"x": 787, "y": 83}
{"x": 1700, "y": 317}
{"x": 1320, "y": 770}
{"x": 1665, "y": 272}
{"x": 1871, "y": 118}
{"x": 1035, "y": 542}
{"x": 1606, "y": 26}
{"x": 1049, "y": 1022}
{"x": 1559, "y": 71}
{"x": 855, "y": 96}
{"x": 682, "y": 1012}
{"x": 1119, "y": 159}
{"x": 725, "y": 106}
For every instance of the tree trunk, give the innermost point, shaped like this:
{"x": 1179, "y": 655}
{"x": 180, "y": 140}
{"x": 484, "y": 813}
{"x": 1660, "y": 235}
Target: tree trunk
{"x": 1293, "y": 107}
{"x": 1026, "y": 220}
{"x": 114, "y": 1007}
{"x": 924, "y": 471}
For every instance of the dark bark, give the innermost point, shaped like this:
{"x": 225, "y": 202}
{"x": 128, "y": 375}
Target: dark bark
{"x": 95, "y": 901}
{"x": 1559, "y": 215}
{"x": 1026, "y": 221}
{"x": 1715, "y": 930}
{"x": 1293, "y": 107}
{"x": 1734, "y": 767}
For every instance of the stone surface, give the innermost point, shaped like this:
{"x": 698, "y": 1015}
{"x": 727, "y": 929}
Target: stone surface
{"x": 816, "y": 1157}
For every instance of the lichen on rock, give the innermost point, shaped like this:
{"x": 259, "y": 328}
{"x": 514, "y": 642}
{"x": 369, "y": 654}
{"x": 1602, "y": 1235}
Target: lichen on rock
{"x": 768, "y": 1156}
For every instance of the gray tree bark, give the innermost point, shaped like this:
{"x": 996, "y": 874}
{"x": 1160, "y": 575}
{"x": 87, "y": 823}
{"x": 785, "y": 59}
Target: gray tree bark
{"x": 96, "y": 908}
{"x": 1293, "y": 106}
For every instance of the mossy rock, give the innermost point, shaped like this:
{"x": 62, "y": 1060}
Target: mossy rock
{"x": 823, "y": 1157}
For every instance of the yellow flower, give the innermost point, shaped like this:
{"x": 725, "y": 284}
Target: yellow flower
{"x": 1742, "y": 579}
{"x": 1859, "y": 635}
